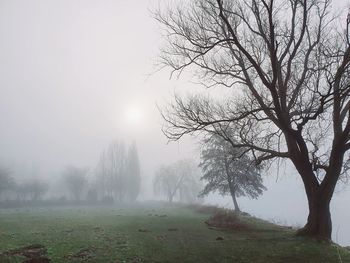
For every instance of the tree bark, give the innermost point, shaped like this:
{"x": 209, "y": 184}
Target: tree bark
{"x": 319, "y": 222}
{"x": 319, "y": 194}
{"x": 235, "y": 202}
{"x": 233, "y": 195}
{"x": 231, "y": 185}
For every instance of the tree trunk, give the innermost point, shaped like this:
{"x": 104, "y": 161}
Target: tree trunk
{"x": 319, "y": 223}
{"x": 319, "y": 194}
{"x": 170, "y": 198}
{"x": 235, "y": 202}
{"x": 231, "y": 185}
{"x": 233, "y": 195}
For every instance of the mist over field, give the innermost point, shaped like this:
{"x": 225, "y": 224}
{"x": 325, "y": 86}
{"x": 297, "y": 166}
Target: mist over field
{"x": 81, "y": 88}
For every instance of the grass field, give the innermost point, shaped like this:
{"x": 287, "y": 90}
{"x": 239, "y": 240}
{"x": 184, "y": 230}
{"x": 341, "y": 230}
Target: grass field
{"x": 149, "y": 234}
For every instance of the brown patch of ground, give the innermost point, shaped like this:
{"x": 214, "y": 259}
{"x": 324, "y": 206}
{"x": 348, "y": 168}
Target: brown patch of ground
{"x": 161, "y": 237}
{"x": 163, "y": 216}
{"x": 228, "y": 220}
{"x": 83, "y": 254}
{"x": 205, "y": 209}
{"x": 32, "y": 253}
{"x": 98, "y": 230}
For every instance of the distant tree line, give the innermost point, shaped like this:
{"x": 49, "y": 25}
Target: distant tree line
{"x": 115, "y": 179}
{"x": 28, "y": 190}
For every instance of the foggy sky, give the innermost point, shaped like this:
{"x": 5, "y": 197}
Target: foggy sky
{"x": 69, "y": 71}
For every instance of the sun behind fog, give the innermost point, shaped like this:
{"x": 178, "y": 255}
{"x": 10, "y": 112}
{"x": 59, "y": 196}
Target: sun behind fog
{"x": 133, "y": 115}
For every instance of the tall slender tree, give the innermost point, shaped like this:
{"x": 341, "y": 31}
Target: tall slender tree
{"x": 133, "y": 179}
{"x": 118, "y": 172}
{"x": 6, "y": 181}
{"x": 75, "y": 180}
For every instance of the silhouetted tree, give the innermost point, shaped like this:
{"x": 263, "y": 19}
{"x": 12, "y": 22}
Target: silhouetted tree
{"x": 118, "y": 172}
{"x": 7, "y": 183}
{"x": 179, "y": 179}
{"x": 229, "y": 170}
{"x": 75, "y": 180}
{"x": 92, "y": 195}
{"x": 111, "y": 171}
{"x": 33, "y": 189}
{"x": 191, "y": 185}
{"x": 133, "y": 179}
{"x": 166, "y": 182}
{"x": 288, "y": 62}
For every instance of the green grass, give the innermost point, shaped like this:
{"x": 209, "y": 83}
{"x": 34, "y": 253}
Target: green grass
{"x": 140, "y": 234}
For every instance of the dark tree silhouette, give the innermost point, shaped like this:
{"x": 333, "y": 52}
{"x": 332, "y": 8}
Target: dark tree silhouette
{"x": 111, "y": 171}
{"x": 34, "y": 189}
{"x": 75, "y": 180}
{"x": 288, "y": 62}
{"x": 133, "y": 179}
{"x": 6, "y": 181}
{"x": 118, "y": 172}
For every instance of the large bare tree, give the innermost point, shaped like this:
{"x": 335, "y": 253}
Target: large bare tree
{"x": 286, "y": 63}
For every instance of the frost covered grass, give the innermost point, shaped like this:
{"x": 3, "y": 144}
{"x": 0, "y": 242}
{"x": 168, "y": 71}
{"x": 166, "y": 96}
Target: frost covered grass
{"x": 152, "y": 233}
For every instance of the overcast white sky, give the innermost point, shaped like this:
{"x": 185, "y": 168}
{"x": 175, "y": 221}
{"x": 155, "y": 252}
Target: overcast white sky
{"x": 71, "y": 70}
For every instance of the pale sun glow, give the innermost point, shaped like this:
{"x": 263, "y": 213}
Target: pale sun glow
{"x": 133, "y": 115}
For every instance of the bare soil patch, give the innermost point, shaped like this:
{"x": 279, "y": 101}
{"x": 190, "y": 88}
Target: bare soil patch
{"x": 226, "y": 219}
{"x": 32, "y": 254}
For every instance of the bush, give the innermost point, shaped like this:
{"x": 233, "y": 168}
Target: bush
{"x": 225, "y": 218}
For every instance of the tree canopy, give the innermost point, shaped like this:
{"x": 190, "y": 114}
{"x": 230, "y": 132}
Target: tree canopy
{"x": 287, "y": 63}
{"x": 229, "y": 171}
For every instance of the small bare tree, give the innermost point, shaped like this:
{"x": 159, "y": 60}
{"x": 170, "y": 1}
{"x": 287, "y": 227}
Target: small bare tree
{"x": 33, "y": 189}
{"x": 75, "y": 180}
{"x": 177, "y": 180}
{"x": 7, "y": 183}
{"x": 166, "y": 182}
{"x": 288, "y": 65}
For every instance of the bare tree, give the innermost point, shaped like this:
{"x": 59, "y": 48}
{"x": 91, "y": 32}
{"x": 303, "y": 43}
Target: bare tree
{"x": 229, "y": 170}
{"x": 166, "y": 182}
{"x": 111, "y": 171}
{"x": 33, "y": 189}
{"x": 76, "y": 181}
{"x": 133, "y": 178}
{"x": 191, "y": 185}
{"x": 288, "y": 65}
{"x": 177, "y": 180}
{"x": 7, "y": 183}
